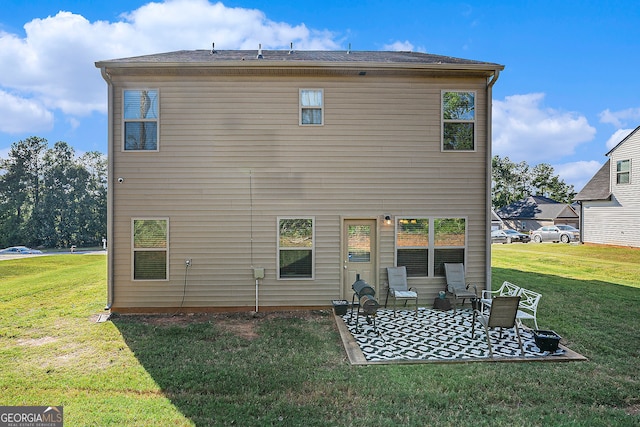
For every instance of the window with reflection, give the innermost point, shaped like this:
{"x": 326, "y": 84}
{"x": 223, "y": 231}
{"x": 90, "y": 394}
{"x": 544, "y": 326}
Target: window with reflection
{"x": 458, "y": 120}
{"x": 412, "y": 246}
{"x": 295, "y": 248}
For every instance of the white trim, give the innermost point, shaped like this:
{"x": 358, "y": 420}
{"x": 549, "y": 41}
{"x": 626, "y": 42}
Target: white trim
{"x": 125, "y": 120}
{"x": 321, "y": 108}
{"x": 431, "y": 248}
{"x": 133, "y": 249}
{"x": 313, "y": 247}
{"x": 474, "y": 121}
{"x": 627, "y": 172}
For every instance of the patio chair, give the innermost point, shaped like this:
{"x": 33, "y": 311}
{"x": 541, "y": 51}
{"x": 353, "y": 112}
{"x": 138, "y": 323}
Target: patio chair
{"x": 528, "y": 309}
{"x": 507, "y": 289}
{"x": 456, "y": 284}
{"x": 502, "y": 314}
{"x": 398, "y": 288}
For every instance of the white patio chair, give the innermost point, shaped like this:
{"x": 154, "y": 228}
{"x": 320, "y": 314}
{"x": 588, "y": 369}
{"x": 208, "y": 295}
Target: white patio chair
{"x": 507, "y": 289}
{"x": 502, "y": 314}
{"x": 456, "y": 284}
{"x": 398, "y": 288}
{"x": 528, "y": 309}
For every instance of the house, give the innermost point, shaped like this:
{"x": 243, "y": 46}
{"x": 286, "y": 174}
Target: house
{"x": 610, "y": 202}
{"x": 263, "y": 180}
{"x": 534, "y": 212}
{"x": 496, "y": 221}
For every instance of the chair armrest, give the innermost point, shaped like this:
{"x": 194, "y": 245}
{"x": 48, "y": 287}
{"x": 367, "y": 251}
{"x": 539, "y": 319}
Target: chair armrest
{"x": 487, "y": 294}
{"x": 475, "y": 288}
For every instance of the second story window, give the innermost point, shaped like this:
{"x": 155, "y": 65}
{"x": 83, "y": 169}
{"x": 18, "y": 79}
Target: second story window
{"x": 623, "y": 172}
{"x": 140, "y": 114}
{"x": 458, "y": 121}
{"x": 311, "y": 107}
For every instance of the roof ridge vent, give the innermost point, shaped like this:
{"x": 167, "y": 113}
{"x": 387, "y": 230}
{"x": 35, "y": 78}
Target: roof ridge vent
{"x": 260, "y": 52}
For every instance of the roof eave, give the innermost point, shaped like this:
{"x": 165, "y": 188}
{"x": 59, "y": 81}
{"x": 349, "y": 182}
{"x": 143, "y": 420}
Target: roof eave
{"x": 488, "y": 69}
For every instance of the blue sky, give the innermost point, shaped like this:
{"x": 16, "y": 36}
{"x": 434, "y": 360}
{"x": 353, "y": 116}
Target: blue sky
{"x": 570, "y": 90}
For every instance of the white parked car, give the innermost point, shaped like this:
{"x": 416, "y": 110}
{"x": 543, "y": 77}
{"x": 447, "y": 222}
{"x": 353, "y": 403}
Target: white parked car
{"x": 556, "y": 233}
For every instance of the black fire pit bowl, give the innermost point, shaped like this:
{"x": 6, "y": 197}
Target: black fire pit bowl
{"x": 546, "y": 340}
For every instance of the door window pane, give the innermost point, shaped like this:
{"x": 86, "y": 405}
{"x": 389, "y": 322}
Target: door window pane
{"x": 359, "y": 244}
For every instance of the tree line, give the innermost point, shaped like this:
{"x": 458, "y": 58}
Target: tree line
{"x": 51, "y": 198}
{"x": 511, "y": 182}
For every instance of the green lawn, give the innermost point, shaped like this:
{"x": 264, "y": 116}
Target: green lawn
{"x": 291, "y": 369}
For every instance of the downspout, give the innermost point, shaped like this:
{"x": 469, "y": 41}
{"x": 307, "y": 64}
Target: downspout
{"x": 489, "y": 155}
{"x": 110, "y": 288}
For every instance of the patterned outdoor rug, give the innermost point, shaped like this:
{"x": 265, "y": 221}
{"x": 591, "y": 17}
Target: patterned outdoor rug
{"x": 434, "y": 336}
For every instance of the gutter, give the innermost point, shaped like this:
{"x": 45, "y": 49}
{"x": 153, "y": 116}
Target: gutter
{"x": 110, "y": 288}
{"x": 490, "y": 84}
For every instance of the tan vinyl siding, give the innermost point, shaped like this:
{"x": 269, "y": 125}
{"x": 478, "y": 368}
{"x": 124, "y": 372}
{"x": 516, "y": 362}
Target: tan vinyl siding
{"x": 232, "y": 158}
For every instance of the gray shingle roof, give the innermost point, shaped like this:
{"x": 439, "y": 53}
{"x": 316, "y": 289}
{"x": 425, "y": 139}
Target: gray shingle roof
{"x": 536, "y": 207}
{"x": 202, "y": 57}
{"x": 598, "y": 187}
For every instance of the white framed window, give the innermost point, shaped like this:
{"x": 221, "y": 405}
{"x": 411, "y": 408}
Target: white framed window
{"x": 296, "y": 247}
{"x": 150, "y": 243}
{"x": 623, "y": 171}
{"x": 449, "y": 242}
{"x": 424, "y": 244}
{"x": 140, "y": 120}
{"x": 311, "y": 107}
{"x": 458, "y": 120}
{"x": 412, "y": 246}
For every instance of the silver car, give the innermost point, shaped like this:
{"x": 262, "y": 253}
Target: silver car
{"x": 556, "y": 233}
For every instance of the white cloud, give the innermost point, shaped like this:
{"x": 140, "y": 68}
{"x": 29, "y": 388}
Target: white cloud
{"x": 617, "y": 136}
{"x": 523, "y": 129}
{"x": 23, "y": 115}
{"x": 577, "y": 173}
{"x": 620, "y": 118}
{"x": 53, "y": 65}
{"x": 404, "y": 46}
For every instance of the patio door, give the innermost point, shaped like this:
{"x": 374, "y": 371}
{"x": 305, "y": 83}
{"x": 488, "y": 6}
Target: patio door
{"x": 359, "y": 253}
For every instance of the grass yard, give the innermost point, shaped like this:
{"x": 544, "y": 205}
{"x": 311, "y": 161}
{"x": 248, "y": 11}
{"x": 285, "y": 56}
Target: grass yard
{"x": 289, "y": 369}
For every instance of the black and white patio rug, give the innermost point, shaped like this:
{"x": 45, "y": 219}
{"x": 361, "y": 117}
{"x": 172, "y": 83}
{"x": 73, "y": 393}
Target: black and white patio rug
{"x": 435, "y": 336}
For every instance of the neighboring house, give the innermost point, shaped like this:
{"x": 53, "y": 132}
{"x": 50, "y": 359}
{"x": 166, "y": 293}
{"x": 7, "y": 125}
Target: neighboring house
{"x": 496, "y": 221}
{"x": 271, "y": 179}
{"x": 610, "y": 202}
{"x": 534, "y": 212}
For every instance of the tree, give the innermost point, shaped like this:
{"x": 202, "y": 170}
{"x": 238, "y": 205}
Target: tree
{"x": 511, "y": 182}
{"x": 20, "y": 187}
{"x": 51, "y": 198}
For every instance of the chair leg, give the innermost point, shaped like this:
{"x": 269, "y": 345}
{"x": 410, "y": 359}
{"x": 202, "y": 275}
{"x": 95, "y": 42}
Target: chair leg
{"x": 519, "y": 340}
{"x": 473, "y": 324}
{"x": 486, "y": 329}
{"x": 387, "y": 297}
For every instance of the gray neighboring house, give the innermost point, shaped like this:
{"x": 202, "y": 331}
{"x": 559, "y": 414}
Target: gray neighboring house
{"x": 534, "y": 212}
{"x": 270, "y": 179}
{"x": 610, "y": 202}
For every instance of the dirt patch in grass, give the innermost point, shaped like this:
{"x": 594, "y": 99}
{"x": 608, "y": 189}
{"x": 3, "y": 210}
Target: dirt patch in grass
{"x": 242, "y": 324}
{"x": 35, "y": 342}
